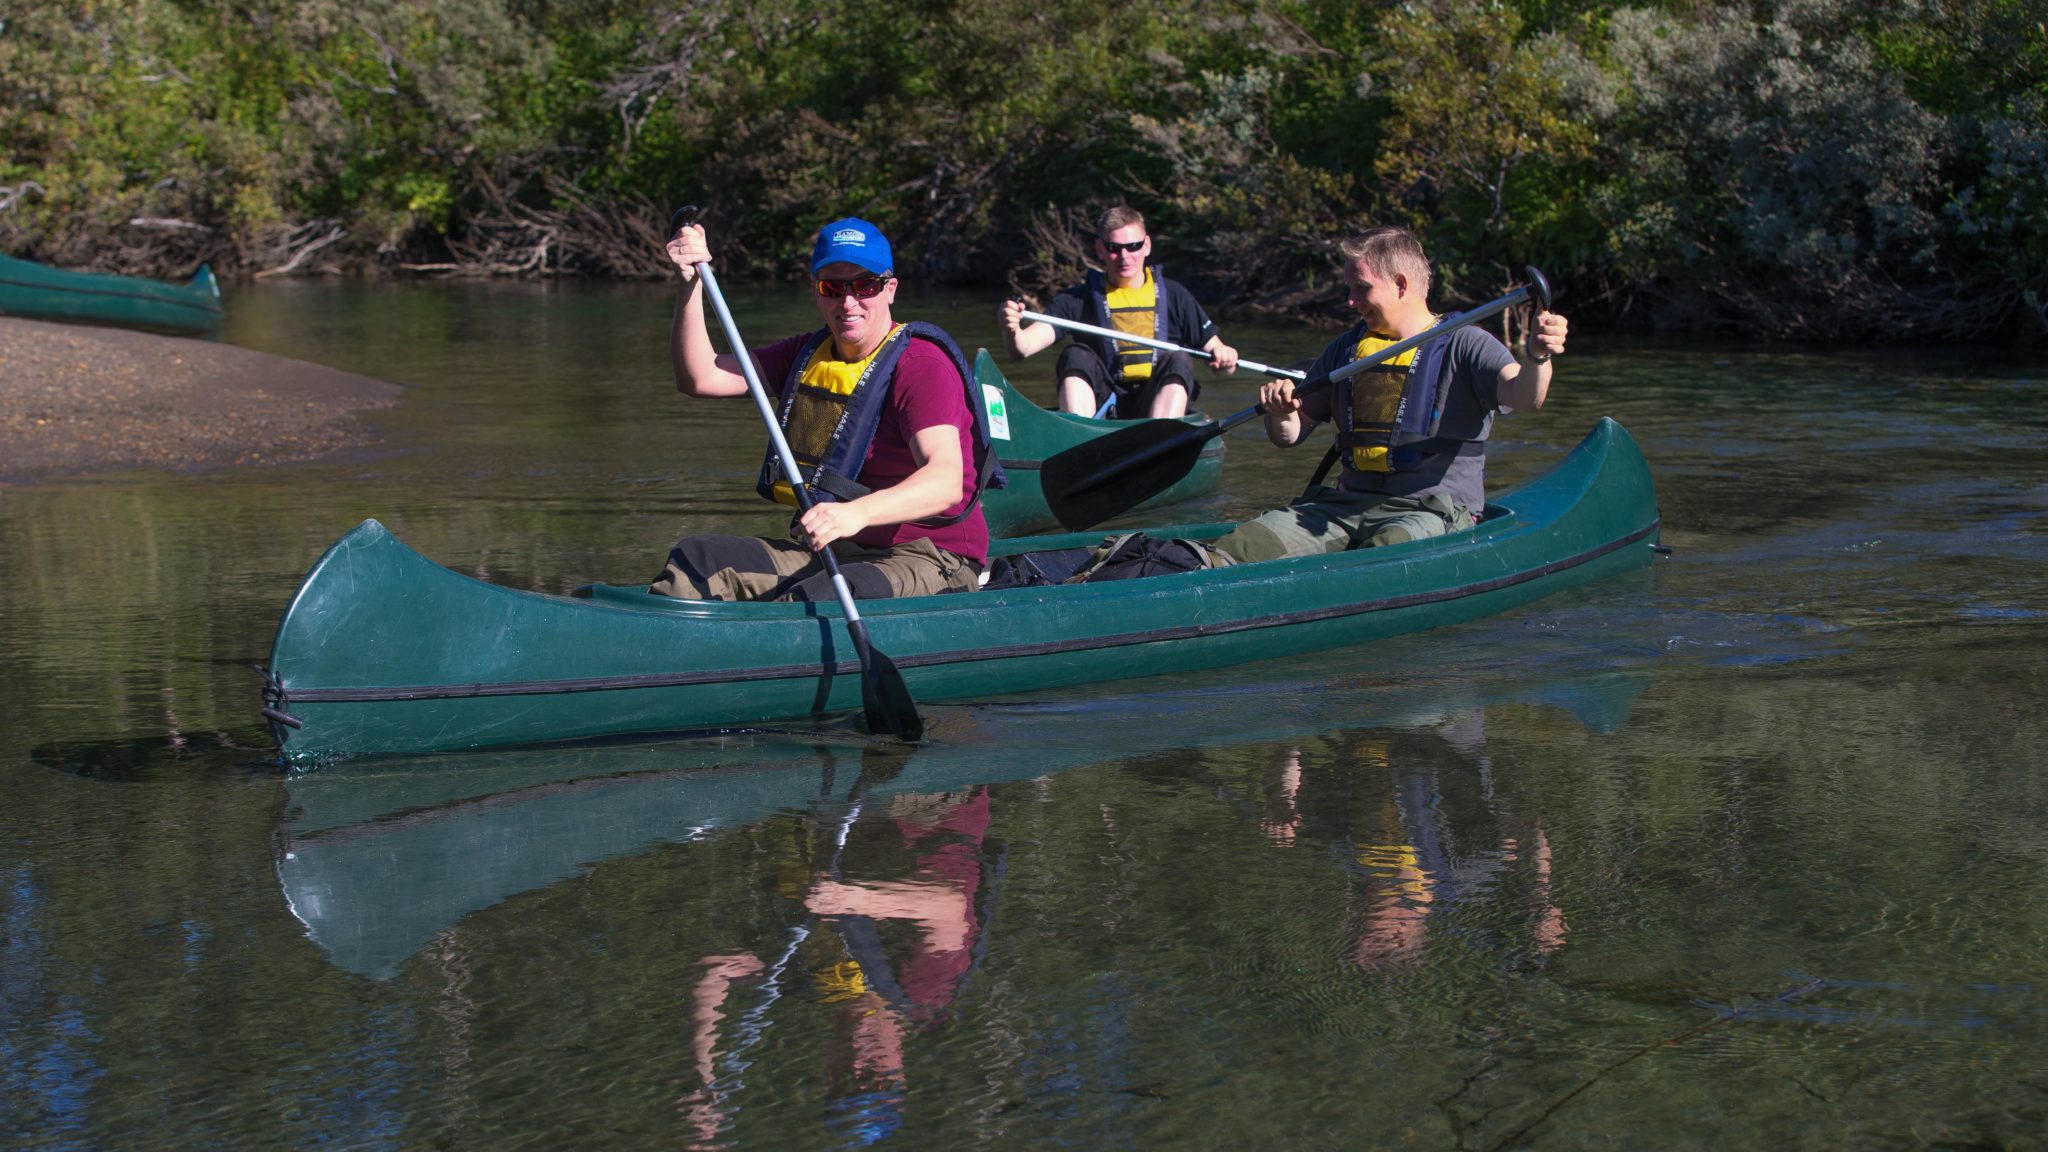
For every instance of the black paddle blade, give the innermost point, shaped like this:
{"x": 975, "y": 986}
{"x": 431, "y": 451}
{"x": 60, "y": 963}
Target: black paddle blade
{"x": 884, "y": 697}
{"x": 1114, "y": 473}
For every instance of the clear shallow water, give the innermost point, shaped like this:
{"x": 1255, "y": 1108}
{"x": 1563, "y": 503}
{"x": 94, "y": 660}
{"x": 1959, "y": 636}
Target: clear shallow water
{"x": 1744, "y": 850}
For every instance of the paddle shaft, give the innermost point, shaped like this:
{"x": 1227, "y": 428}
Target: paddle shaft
{"x": 1162, "y": 345}
{"x": 782, "y": 452}
{"x": 1199, "y": 433}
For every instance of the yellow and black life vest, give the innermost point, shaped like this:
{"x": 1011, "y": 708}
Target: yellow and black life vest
{"x": 832, "y": 407}
{"x": 1386, "y": 416}
{"x": 1140, "y": 311}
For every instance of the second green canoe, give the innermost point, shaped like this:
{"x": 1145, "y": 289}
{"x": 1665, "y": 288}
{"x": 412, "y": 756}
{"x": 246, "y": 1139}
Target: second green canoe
{"x": 40, "y": 292}
{"x": 1026, "y": 434}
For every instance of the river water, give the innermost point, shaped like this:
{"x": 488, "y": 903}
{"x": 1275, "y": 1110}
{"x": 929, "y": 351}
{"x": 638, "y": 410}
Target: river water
{"x": 1748, "y": 849}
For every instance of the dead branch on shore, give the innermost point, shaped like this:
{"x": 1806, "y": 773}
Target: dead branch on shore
{"x": 166, "y": 222}
{"x": 1059, "y": 248}
{"x": 11, "y": 194}
{"x": 576, "y": 234}
{"x": 1853, "y": 305}
{"x": 303, "y": 240}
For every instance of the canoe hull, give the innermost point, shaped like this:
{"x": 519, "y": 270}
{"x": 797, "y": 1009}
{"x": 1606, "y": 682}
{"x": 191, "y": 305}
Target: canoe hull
{"x": 384, "y": 651}
{"x": 38, "y": 291}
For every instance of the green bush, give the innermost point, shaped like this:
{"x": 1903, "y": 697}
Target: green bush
{"x": 1803, "y": 168}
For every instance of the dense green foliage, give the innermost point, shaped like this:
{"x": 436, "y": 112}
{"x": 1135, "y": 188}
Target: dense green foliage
{"x": 1805, "y": 168}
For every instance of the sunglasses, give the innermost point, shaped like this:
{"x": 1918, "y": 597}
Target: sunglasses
{"x": 1131, "y": 246}
{"x": 860, "y": 287}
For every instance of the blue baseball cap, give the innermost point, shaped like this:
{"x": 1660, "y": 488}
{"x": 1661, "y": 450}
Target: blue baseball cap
{"x": 852, "y": 241}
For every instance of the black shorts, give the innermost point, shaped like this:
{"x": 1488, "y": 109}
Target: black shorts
{"x": 1133, "y": 398}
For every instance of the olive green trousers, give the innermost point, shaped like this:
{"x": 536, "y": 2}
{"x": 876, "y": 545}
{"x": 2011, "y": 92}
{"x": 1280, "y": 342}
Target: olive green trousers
{"x": 1330, "y": 520}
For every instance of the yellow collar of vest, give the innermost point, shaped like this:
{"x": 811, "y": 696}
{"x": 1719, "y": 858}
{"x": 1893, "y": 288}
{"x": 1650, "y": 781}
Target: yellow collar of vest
{"x": 1141, "y": 295}
{"x": 826, "y": 370}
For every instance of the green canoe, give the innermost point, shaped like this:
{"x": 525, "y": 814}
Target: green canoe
{"x": 41, "y": 292}
{"x": 1026, "y": 434}
{"x": 384, "y": 651}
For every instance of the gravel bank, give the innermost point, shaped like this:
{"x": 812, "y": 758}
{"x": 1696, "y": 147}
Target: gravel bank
{"x": 79, "y": 400}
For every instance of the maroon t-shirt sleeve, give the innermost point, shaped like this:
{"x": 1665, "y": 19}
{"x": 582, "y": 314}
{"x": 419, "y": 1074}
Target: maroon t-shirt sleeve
{"x": 774, "y": 361}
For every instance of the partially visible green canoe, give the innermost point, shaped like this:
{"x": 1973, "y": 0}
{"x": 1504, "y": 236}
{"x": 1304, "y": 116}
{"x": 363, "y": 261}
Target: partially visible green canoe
{"x": 1026, "y": 434}
{"x": 384, "y": 651}
{"x": 41, "y": 292}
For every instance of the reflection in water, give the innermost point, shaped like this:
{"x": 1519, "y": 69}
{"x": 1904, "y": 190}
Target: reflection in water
{"x": 1421, "y": 834}
{"x": 877, "y": 988}
{"x": 46, "y": 1062}
{"x": 380, "y": 858}
{"x": 876, "y": 897}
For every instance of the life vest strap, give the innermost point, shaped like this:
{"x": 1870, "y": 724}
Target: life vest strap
{"x": 1409, "y": 458}
{"x": 845, "y": 489}
{"x": 824, "y": 480}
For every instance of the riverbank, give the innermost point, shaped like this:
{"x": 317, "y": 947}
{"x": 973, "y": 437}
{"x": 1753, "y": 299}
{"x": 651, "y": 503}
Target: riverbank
{"x": 77, "y": 400}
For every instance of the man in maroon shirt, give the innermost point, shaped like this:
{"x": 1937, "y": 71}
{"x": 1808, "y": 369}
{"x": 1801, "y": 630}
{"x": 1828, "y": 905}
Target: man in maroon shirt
{"x": 906, "y": 520}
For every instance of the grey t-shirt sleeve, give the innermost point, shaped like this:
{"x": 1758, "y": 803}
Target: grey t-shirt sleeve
{"x": 1477, "y": 358}
{"x": 1316, "y": 407}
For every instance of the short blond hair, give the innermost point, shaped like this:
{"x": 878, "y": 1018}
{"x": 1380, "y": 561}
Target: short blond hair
{"x": 1121, "y": 216}
{"x": 1388, "y": 250}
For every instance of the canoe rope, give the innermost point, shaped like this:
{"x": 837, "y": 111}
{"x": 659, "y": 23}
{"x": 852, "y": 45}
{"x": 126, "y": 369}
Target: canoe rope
{"x": 277, "y": 701}
{"x": 276, "y": 704}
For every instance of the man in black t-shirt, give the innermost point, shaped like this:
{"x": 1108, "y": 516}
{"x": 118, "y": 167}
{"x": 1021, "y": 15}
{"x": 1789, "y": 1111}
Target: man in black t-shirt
{"x": 1130, "y": 296}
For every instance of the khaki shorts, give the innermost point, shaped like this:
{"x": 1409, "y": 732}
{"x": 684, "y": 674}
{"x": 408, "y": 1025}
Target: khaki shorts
{"x": 1336, "y": 521}
{"x": 750, "y": 568}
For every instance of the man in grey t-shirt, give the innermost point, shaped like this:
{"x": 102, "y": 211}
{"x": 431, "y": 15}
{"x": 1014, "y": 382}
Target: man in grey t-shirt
{"x": 1394, "y": 486}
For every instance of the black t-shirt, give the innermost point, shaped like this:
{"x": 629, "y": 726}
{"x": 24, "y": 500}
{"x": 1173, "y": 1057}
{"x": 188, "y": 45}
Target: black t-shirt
{"x": 1186, "y": 324}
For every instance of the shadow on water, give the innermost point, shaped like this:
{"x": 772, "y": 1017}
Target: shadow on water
{"x": 150, "y": 758}
{"x": 378, "y": 858}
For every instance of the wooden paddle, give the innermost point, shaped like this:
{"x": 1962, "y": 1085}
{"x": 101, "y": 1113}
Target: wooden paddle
{"x": 885, "y": 698}
{"x": 1162, "y": 345}
{"x": 1112, "y": 474}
